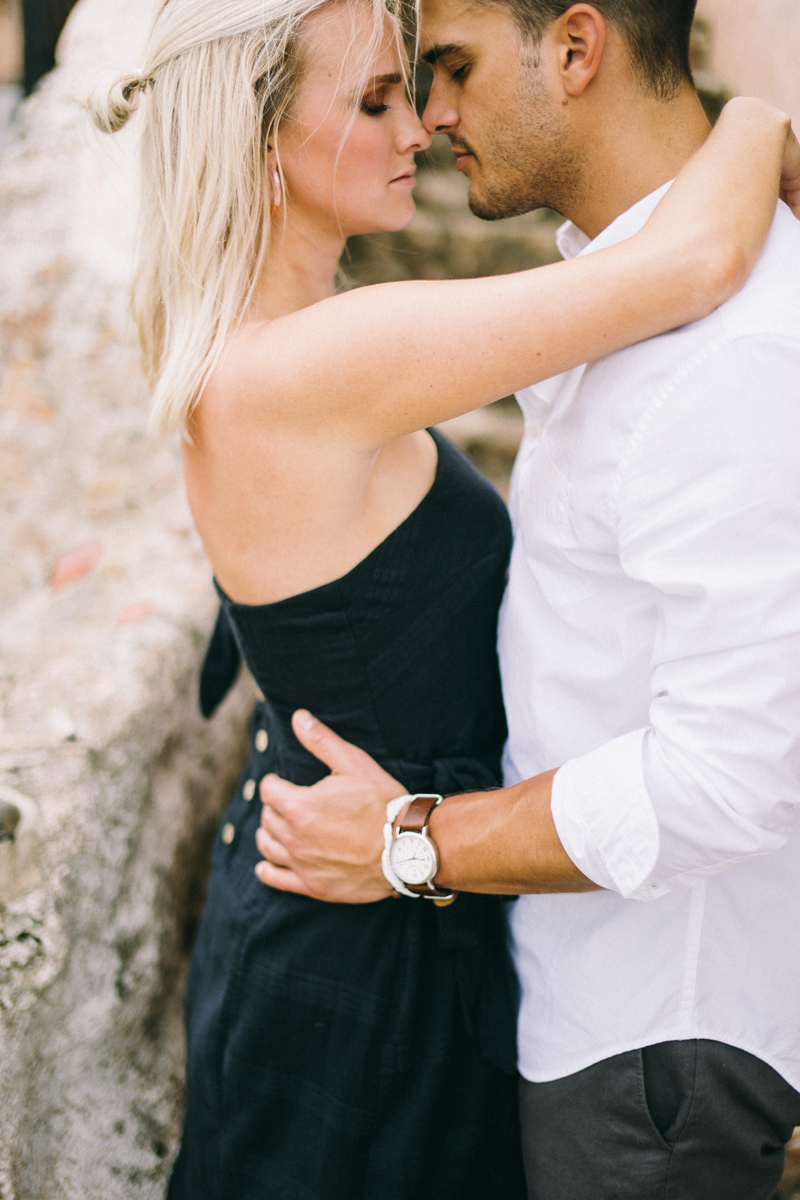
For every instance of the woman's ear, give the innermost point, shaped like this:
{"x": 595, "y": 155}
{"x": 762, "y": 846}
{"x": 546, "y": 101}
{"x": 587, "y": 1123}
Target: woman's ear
{"x": 580, "y": 36}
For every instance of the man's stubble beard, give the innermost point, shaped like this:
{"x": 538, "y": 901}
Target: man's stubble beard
{"x": 533, "y": 163}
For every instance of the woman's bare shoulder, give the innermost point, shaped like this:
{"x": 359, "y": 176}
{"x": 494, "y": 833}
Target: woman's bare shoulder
{"x": 257, "y": 374}
{"x": 278, "y": 372}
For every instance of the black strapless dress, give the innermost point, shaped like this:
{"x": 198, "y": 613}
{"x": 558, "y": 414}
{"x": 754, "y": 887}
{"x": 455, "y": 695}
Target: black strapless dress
{"x": 361, "y": 1052}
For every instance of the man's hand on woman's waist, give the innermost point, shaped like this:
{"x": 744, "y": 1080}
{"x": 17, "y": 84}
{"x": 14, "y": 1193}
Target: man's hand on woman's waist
{"x": 325, "y": 841}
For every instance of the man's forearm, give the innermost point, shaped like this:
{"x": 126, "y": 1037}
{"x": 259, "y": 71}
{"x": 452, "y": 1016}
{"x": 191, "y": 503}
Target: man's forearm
{"x": 325, "y": 840}
{"x": 504, "y": 842}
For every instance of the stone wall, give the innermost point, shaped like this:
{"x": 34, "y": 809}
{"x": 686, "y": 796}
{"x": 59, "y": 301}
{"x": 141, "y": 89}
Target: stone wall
{"x": 105, "y": 603}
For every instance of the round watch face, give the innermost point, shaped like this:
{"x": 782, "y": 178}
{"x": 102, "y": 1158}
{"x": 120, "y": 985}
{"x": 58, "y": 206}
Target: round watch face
{"x": 413, "y": 858}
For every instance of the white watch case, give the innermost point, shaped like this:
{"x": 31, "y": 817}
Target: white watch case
{"x": 413, "y": 858}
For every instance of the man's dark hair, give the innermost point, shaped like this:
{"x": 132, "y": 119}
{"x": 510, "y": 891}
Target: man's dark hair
{"x": 657, "y": 33}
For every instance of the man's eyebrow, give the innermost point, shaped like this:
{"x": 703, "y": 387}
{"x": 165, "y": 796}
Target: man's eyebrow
{"x": 442, "y": 51}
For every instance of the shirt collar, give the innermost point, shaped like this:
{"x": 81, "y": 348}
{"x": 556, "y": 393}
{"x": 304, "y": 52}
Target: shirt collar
{"x": 573, "y": 243}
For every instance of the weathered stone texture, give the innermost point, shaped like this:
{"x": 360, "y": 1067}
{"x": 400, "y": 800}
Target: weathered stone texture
{"x": 105, "y": 603}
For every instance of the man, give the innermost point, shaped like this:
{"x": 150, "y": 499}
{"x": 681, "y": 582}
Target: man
{"x": 650, "y": 649}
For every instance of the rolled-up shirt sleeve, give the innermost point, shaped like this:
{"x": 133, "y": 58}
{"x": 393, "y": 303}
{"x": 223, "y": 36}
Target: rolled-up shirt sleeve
{"x": 707, "y": 508}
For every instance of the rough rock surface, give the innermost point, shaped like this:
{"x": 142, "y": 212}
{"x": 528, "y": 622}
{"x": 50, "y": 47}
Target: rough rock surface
{"x": 105, "y": 603}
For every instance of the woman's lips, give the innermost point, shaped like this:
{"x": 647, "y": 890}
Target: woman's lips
{"x": 406, "y": 180}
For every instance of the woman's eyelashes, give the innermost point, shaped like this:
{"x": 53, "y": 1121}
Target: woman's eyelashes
{"x": 379, "y": 99}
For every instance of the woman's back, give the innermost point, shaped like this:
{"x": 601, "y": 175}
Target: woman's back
{"x": 283, "y": 502}
{"x": 398, "y": 655}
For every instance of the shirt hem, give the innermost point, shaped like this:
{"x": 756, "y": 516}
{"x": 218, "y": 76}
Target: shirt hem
{"x": 789, "y": 1071}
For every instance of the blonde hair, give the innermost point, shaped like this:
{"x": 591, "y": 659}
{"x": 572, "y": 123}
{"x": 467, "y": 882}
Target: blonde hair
{"x": 220, "y": 77}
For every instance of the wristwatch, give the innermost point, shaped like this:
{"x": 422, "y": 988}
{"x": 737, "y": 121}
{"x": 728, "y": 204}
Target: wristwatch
{"x": 412, "y": 853}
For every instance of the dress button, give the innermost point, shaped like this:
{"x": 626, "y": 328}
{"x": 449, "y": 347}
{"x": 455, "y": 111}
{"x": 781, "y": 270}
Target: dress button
{"x": 262, "y": 741}
{"x": 249, "y": 789}
{"x": 228, "y": 833}
{"x": 532, "y": 432}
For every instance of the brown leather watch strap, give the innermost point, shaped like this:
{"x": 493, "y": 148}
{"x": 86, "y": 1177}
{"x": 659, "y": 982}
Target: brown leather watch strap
{"x": 416, "y": 818}
{"x": 418, "y": 814}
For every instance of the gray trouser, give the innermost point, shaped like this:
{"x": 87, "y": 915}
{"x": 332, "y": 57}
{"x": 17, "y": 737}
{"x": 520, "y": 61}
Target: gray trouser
{"x": 693, "y": 1120}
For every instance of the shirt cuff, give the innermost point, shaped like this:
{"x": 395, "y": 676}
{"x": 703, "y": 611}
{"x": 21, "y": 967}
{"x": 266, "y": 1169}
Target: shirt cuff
{"x": 605, "y": 820}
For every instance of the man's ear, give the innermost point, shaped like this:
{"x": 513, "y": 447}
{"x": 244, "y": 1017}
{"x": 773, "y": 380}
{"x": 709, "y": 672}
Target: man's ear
{"x": 580, "y": 37}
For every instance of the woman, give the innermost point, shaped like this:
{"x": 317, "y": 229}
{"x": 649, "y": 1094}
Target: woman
{"x": 358, "y": 1051}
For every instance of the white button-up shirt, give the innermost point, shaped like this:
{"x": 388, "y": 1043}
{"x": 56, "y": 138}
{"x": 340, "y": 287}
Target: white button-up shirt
{"x": 650, "y": 648}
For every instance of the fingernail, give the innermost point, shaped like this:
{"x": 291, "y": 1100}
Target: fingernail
{"x": 260, "y": 869}
{"x": 305, "y": 720}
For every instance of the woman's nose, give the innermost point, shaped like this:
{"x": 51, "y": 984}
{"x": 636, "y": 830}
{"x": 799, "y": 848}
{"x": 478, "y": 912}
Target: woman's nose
{"x": 414, "y": 135}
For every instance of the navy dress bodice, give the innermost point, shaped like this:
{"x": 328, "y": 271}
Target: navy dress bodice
{"x": 361, "y": 1052}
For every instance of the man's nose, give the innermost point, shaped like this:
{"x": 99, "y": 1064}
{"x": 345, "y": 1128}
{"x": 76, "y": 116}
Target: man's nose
{"x": 440, "y": 115}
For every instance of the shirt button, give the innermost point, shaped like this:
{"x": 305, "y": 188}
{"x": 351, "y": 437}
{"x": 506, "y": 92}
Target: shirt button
{"x": 262, "y": 741}
{"x": 533, "y": 432}
{"x": 228, "y": 833}
{"x": 249, "y": 789}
